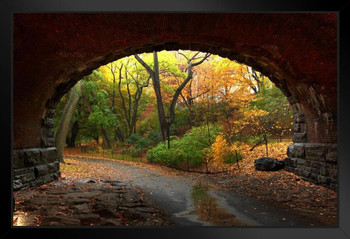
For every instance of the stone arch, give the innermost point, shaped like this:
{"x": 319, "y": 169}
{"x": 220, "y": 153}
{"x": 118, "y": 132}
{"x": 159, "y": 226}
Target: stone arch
{"x": 53, "y": 51}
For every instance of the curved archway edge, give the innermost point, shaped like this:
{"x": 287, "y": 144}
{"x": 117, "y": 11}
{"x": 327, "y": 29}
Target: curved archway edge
{"x": 296, "y": 51}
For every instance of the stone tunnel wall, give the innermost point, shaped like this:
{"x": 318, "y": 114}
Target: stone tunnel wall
{"x": 36, "y": 166}
{"x": 316, "y": 163}
{"x": 313, "y": 162}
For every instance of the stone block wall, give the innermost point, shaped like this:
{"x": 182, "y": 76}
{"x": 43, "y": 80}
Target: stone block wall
{"x": 316, "y": 163}
{"x": 313, "y": 162}
{"x": 36, "y": 166}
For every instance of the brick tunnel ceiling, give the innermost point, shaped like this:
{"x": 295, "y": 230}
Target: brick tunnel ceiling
{"x": 52, "y": 51}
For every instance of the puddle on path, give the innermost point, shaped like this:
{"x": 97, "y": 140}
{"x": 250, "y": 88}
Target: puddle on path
{"x": 208, "y": 209}
{"x": 212, "y": 210}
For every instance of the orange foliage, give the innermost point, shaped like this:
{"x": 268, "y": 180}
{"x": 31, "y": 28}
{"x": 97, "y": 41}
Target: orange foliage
{"x": 221, "y": 149}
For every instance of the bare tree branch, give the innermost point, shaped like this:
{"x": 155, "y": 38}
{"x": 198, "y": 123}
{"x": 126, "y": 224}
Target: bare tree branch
{"x": 144, "y": 64}
{"x": 201, "y": 61}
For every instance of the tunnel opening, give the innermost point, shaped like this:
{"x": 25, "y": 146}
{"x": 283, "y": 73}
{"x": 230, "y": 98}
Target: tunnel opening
{"x": 297, "y": 160}
{"x": 219, "y": 92}
{"x": 62, "y": 50}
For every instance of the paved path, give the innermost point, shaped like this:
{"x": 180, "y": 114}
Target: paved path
{"x": 187, "y": 202}
{"x": 71, "y": 202}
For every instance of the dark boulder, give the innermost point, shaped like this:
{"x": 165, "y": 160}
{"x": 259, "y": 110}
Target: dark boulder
{"x": 268, "y": 164}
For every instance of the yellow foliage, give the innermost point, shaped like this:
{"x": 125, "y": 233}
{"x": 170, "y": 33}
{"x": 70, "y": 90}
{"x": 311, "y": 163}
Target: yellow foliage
{"x": 221, "y": 149}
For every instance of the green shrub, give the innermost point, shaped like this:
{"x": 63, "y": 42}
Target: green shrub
{"x": 123, "y": 151}
{"x": 187, "y": 151}
{"x": 132, "y": 139}
{"x": 180, "y": 124}
{"x": 134, "y": 152}
{"x": 155, "y": 136}
{"x": 138, "y": 141}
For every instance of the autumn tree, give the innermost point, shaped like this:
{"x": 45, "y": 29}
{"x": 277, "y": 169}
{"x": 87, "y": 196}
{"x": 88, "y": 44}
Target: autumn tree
{"x": 154, "y": 73}
{"x": 113, "y": 67}
{"x": 278, "y": 121}
{"x": 129, "y": 80}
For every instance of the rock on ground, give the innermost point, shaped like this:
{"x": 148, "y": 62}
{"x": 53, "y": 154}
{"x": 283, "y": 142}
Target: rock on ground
{"x": 268, "y": 164}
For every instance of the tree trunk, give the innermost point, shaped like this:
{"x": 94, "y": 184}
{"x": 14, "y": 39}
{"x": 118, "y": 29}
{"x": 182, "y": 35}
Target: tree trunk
{"x": 266, "y": 144}
{"x": 184, "y": 83}
{"x": 119, "y": 134}
{"x": 106, "y": 142}
{"x": 160, "y": 106}
{"x": 177, "y": 93}
{"x": 123, "y": 100}
{"x": 113, "y": 68}
{"x": 66, "y": 118}
{"x": 156, "y": 86}
{"x": 137, "y": 98}
{"x": 74, "y": 133}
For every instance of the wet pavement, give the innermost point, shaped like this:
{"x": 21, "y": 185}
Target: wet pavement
{"x": 187, "y": 202}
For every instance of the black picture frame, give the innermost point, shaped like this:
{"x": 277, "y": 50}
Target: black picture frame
{"x": 8, "y": 7}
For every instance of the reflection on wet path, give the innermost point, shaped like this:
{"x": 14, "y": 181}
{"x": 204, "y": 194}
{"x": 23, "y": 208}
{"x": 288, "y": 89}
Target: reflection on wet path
{"x": 208, "y": 209}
